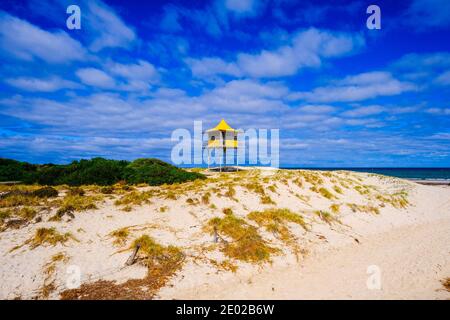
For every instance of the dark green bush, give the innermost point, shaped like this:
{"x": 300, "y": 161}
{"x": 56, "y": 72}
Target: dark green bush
{"x": 96, "y": 171}
{"x": 45, "y": 192}
{"x": 156, "y": 172}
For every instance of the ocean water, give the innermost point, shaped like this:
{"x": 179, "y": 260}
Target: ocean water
{"x": 405, "y": 173}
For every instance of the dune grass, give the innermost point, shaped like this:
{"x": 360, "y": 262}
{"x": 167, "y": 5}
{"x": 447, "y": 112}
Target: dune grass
{"x": 120, "y": 236}
{"x": 133, "y": 198}
{"x": 49, "y": 236}
{"x": 161, "y": 261}
{"x": 335, "y": 208}
{"x": 326, "y": 193}
{"x": 275, "y": 221}
{"x": 76, "y": 203}
{"x": 446, "y": 284}
{"x": 326, "y": 216}
{"x": 244, "y": 242}
{"x": 363, "y": 208}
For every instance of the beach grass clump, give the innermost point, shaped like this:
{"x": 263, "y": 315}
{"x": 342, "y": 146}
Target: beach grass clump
{"x": 398, "y": 200}
{"x": 5, "y": 214}
{"x": 133, "y": 198}
{"x": 163, "y": 209}
{"x": 275, "y": 221}
{"x": 325, "y": 216}
{"x": 363, "y": 208}
{"x": 227, "y": 211}
{"x": 265, "y": 199}
{"x": 206, "y": 197}
{"x": 48, "y": 236}
{"x": 446, "y": 283}
{"x": 244, "y": 242}
{"x": 298, "y": 182}
{"x": 231, "y": 192}
{"x": 45, "y": 192}
{"x": 120, "y": 236}
{"x": 259, "y": 189}
{"x": 107, "y": 190}
{"x": 162, "y": 263}
{"x": 362, "y": 190}
{"x": 159, "y": 259}
{"x": 76, "y": 191}
{"x": 311, "y": 177}
{"x": 72, "y": 204}
{"x": 192, "y": 201}
{"x": 27, "y": 213}
{"x": 335, "y": 208}
{"x": 326, "y": 193}
{"x": 337, "y": 189}
{"x": 19, "y": 199}
{"x": 225, "y": 265}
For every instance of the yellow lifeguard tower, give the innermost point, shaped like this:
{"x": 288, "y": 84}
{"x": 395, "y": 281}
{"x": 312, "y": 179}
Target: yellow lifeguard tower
{"x": 222, "y": 137}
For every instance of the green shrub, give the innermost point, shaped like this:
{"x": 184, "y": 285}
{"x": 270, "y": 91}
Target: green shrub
{"x": 96, "y": 171}
{"x": 156, "y": 172}
{"x": 45, "y": 192}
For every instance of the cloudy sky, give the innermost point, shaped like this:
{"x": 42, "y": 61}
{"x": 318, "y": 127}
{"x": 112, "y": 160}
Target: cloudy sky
{"x": 341, "y": 94}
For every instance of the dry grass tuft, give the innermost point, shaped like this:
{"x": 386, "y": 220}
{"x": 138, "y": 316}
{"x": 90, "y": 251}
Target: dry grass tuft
{"x": 446, "y": 284}
{"x": 162, "y": 263}
{"x": 206, "y": 198}
{"x": 325, "y": 216}
{"x": 338, "y": 189}
{"x": 227, "y": 211}
{"x": 49, "y": 236}
{"x": 275, "y": 221}
{"x": 325, "y": 193}
{"x": 120, "y": 236}
{"x": 244, "y": 241}
{"x": 335, "y": 208}
{"x": 77, "y": 203}
{"x": 363, "y": 208}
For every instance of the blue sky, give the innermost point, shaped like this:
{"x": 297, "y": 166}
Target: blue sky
{"x": 341, "y": 94}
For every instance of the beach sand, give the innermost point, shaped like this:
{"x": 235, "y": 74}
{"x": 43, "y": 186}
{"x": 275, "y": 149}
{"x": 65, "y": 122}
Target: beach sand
{"x": 408, "y": 244}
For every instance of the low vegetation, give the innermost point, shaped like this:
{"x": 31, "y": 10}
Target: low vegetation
{"x": 120, "y": 236}
{"x": 162, "y": 263}
{"x": 96, "y": 171}
{"x": 240, "y": 240}
{"x": 276, "y": 221}
{"x": 48, "y": 236}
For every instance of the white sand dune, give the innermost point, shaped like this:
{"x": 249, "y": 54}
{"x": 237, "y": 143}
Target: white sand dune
{"x": 409, "y": 246}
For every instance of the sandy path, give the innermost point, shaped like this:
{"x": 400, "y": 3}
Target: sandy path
{"x": 412, "y": 260}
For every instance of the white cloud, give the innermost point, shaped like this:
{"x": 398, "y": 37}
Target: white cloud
{"x": 438, "y": 111}
{"x": 443, "y": 78}
{"x": 307, "y": 49}
{"x": 142, "y": 71}
{"x": 316, "y": 109}
{"x": 212, "y": 66}
{"x": 110, "y": 30}
{"x": 243, "y": 7}
{"x": 359, "y": 87}
{"x": 27, "y": 42}
{"x": 41, "y": 85}
{"x": 428, "y": 13}
{"x": 96, "y": 78}
{"x": 364, "y": 111}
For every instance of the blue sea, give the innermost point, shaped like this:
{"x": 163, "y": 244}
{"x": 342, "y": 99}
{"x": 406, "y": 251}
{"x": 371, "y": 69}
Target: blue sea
{"x": 405, "y": 173}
